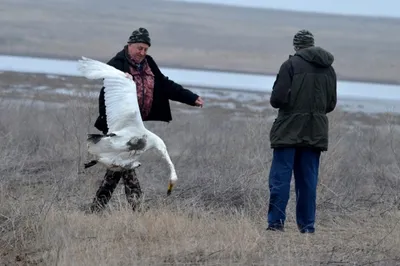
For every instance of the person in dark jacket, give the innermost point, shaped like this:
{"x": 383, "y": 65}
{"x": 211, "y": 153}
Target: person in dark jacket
{"x": 304, "y": 92}
{"x": 154, "y": 92}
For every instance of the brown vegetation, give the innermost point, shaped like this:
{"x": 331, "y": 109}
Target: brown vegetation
{"x": 216, "y": 215}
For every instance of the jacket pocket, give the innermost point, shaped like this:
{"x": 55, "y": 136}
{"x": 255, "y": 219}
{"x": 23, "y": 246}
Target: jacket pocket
{"x": 275, "y": 127}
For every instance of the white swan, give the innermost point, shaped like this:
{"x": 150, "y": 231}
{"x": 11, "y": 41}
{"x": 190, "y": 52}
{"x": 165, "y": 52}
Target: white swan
{"x": 127, "y": 136}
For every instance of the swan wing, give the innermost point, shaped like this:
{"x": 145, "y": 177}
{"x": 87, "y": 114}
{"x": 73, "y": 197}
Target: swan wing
{"x": 122, "y": 108}
{"x": 120, "y": 94}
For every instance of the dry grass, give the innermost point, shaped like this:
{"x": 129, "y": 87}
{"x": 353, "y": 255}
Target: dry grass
{"x": 216, "y": 215}
{"x": 198, "y": 36}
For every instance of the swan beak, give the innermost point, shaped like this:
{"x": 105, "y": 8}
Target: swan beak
{"x": 170, "y": 186}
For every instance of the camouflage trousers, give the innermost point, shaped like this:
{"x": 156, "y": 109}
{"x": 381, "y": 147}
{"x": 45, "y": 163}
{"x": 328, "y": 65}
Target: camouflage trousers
{"x": 133, "y": 191}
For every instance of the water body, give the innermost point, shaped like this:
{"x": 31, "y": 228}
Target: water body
{"x": 386, "y": 8}
{"x": 368, "y": 97}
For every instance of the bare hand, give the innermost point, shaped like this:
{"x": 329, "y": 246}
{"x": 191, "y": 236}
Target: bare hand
{"x": 129, "y": 76}
{"x": 199, "y": 102}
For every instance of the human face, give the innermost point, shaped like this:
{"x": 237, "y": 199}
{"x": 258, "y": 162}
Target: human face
{"x": 138, "y": 51}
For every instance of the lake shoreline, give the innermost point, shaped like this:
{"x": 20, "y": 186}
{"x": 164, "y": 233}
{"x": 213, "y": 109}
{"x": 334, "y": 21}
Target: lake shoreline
{"x": 56, "y": 89}
{"x": 191, "y": 68}
{"x": 209, "y": 79}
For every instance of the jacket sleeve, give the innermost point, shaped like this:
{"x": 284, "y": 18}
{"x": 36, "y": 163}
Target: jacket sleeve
{"x": 281, "y": 89}
{"x": 332, "y": 100}
{"x": 174, "y": 91}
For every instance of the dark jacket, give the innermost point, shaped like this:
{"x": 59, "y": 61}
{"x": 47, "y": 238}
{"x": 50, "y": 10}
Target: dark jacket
{"x": 304, "y": 91}
{"x": 164, "y": 90}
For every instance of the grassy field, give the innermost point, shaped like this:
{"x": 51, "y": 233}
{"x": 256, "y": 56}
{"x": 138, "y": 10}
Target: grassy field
{"x": 198, "y": 36}
{"x": 216, "y": 215}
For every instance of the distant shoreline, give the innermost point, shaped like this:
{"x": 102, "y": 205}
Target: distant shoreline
{"x": 202, "y": 36}
{"x": 183, "y": 66}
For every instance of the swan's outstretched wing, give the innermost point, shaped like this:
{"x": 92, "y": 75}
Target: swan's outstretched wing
{"x": 120, "y": 94}
{"x": 122, "y": 108}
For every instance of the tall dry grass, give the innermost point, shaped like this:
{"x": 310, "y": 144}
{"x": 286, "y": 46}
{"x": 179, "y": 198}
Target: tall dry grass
{"x": 216, "y": 215}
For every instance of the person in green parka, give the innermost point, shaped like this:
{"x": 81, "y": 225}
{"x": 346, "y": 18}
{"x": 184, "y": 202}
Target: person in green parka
{"x": 304, "y": 92}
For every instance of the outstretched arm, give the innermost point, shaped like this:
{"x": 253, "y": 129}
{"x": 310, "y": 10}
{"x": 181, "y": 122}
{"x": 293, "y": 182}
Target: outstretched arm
{"x": 175, "y": 91}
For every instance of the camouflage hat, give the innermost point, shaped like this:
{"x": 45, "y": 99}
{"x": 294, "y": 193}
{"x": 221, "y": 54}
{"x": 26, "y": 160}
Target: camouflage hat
{"x": 303, "y": 39}
{"x": 140, "y": 35}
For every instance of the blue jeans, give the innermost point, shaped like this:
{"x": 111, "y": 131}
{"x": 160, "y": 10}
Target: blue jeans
{"x": 304, "y": 163}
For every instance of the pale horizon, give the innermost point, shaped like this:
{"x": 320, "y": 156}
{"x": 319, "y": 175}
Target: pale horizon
{"x": 342, "y": 7}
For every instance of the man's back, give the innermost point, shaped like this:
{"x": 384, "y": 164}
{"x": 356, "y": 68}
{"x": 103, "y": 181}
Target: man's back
{"x": 305, "y": 91}
{"x": 313, "y": 87}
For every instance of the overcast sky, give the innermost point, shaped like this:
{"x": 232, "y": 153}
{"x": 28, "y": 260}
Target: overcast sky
{"x": 389, "y": 8}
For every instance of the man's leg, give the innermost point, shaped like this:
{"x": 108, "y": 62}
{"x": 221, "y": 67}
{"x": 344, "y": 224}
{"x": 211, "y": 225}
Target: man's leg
{"x": 104, "y": 193}
{"x": 306, "y": 168}
{"x": 133, "y": 191}
{"x": 279, "y": 186}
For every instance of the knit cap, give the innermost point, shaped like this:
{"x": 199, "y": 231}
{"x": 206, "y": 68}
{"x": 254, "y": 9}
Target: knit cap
{"x": 303, "y": 39}
{"x": 140, "y": 35}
